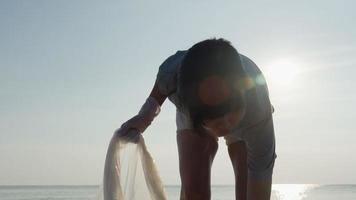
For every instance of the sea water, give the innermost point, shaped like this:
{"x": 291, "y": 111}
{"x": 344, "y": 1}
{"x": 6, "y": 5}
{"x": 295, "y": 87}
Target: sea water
{"x": 279, "y": 192}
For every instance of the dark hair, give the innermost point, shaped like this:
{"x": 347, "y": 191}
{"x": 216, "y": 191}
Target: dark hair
{"x": 208, "y": 81}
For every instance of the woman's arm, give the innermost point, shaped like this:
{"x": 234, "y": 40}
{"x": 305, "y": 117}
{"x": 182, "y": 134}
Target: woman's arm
{"x": 155, "y": 93}
{"x": 149, "y": 110}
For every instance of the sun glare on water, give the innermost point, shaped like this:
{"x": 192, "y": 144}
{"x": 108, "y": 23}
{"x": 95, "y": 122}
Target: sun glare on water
{"x": 291, "y": 191}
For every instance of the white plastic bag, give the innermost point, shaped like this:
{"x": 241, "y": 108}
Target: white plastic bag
{"x": 130, "y": 172}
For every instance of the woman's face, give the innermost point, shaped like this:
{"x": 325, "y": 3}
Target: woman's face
{"x": 222, "y": 126}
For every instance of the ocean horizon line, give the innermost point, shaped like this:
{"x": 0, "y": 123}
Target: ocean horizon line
{"x": 166, "y": 185}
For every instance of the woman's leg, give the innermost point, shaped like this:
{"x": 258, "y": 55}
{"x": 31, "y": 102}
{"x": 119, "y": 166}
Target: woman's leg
{"x": 245, "y": 186}
{"x": 260, "y": 145}
{"x": 238, "y": 156}
{"x": 196, "y": 154}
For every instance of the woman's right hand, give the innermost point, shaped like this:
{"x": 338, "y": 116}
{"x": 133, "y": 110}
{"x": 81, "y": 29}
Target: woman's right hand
{"x": 137, "y": 122}
{"x": 143, "y": 119}
{"x": 130, "y": 130}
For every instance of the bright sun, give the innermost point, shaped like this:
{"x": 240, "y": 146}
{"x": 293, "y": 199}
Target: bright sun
{"x": 281, "y": 72}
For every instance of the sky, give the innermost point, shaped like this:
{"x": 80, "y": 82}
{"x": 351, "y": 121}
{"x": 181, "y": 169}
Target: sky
{"x": 71, "y": 72}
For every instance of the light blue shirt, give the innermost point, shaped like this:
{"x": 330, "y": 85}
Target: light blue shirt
{"x": 258, "y": 106}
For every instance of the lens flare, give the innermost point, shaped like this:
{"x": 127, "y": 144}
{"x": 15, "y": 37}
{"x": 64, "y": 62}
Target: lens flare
{"x": 213, "y": 90}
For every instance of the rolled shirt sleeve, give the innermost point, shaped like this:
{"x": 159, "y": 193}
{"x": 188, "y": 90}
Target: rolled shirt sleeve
{"x": 167, "y": 73}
